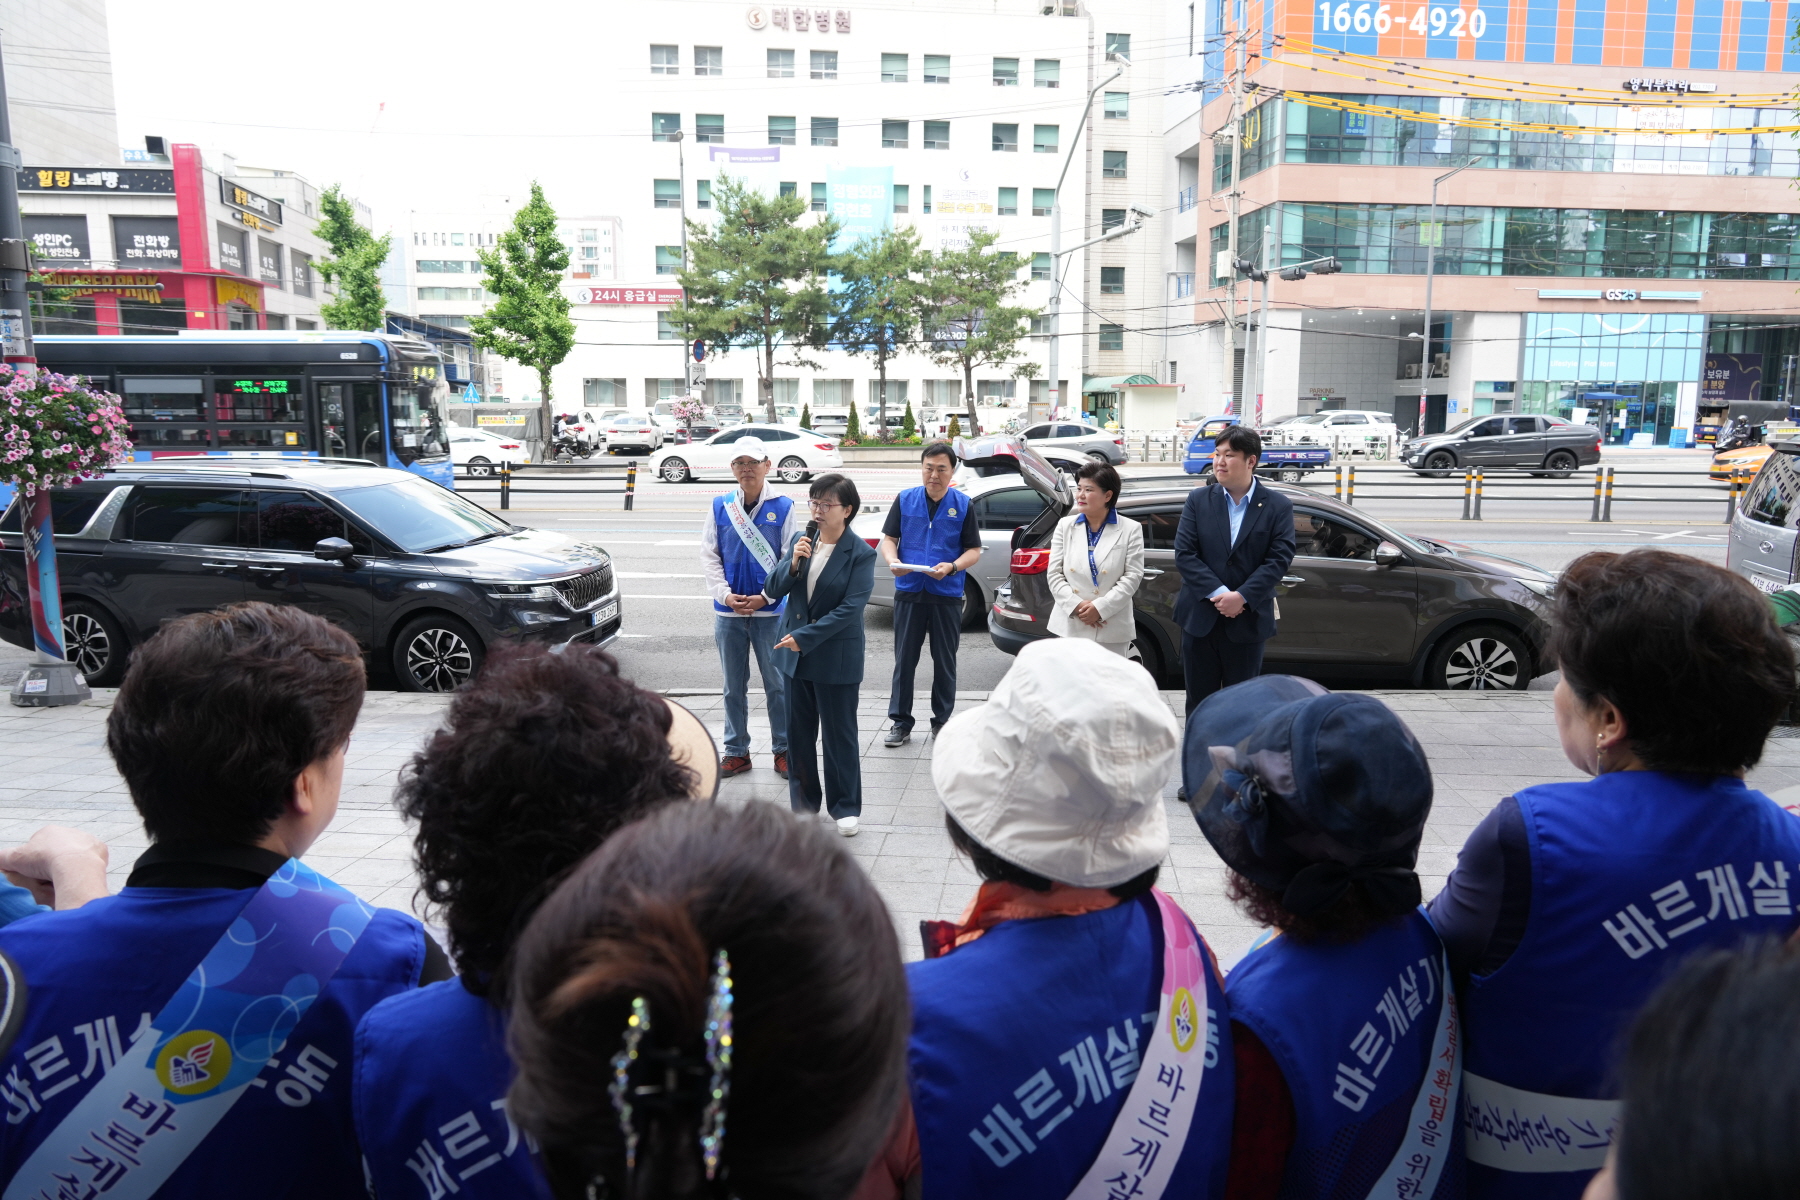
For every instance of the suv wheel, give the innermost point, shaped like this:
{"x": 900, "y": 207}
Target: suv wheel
{"x": 95, "y": 644}
{"x": 1097, "y": 456}
{"x": 674, "y": 470}
{"x": 792, "y": 470}
{"x": 974, "y": 611}
{"x": 436, "y": 653}
{"x": 1561, "y": 464}
{"x": 1480, "y": 658}
{"x": 480, "y": 468}
{"x": 1439, "y": 463}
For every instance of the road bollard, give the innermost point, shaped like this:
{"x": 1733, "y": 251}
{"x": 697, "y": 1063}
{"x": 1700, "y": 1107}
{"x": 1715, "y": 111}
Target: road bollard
{"x": 1731, "y": 494}
{"x": 1606, "y": 499}
{"x": 1599, "y": 475}
{"x": 1337, "y": 483}
{"x": 630, "y": 483}
{"x": 505, "y": 485}
{"x": 1350, "y": 485}
{"x": 1468, "y": 490}
{"x": 1478, "y": 493}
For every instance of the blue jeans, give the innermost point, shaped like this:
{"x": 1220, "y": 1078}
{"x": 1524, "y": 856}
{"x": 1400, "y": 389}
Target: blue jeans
{"x": 736, "y": 637}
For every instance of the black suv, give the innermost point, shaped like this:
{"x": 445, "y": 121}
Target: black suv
{"x": 422, "y": 578}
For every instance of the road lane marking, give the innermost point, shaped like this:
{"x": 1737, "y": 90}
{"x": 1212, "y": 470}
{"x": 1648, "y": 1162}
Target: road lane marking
{"x": 652, "y": 575}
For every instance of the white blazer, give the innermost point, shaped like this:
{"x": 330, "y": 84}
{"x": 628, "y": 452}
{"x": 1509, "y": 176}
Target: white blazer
{"x": 1120, "y": 557}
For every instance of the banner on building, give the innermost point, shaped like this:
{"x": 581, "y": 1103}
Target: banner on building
{"x": 57, "y": 239}
{"x": 862, "y": 200}
{"x": 1728, "y": 377}
{"x": 147, "y": 241}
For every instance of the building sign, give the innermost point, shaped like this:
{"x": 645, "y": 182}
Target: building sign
{"x": 1728, "y": 377}
{"x": 627, "y": 295}
{"x": 248, "y": 201}
{"x": 135, "y": 286}
{"x": 232, "y": 249}
{"x": 799, "y": 19}
{"x": 57, "y": 239}
{"x": 233, "y": 292}
{"x": 82, "y": 179}
{"x": 251, "y": 221}
{"x": 1682, "y": 86}
{"x": 753, "y": 154}
{"x": 962, "y": 211}
{"x": 147, "y": 241}
{"x": 862, "y": 200}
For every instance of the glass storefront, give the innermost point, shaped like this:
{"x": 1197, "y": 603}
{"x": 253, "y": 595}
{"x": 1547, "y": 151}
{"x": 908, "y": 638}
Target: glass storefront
{"x": 1624, "y": 372}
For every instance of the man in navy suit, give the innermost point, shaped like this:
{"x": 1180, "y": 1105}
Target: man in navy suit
{"x": 1234, "y": 543}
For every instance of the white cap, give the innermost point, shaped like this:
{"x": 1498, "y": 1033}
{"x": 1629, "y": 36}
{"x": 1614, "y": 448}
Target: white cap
{"x": 749, "y": 447}
{"x": 1062, "y": 770}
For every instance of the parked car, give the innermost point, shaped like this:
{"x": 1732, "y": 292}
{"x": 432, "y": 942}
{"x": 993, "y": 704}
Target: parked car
{"x": 1762, "y": 542}
{"x": 1361, "y": 602}
{"x": 1077, "y": 438}
{"x": 1289, "y": 463}
{"x": 798, "y": 454}
{"x": 631, "y": 431}
{"x": 1331, "y": 427}
{"x": 424, "y": 579}
{"x": 480, "y": 451}
{"x": 1544, "y": 445}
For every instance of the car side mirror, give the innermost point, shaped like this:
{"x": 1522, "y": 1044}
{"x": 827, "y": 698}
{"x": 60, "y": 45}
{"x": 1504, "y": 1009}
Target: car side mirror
{"x": 336, "y": 550}
{"x": 1386, "y": 555}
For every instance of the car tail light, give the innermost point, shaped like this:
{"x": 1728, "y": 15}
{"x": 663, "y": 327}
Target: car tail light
{"x": 821, "y": 446}
{"x": 1030, "y": 562}
{"x": 1012, "y": 614}
{"x": 581, "y": 429}
{"x": 1118, "y": 441}
{"x": 509, "y": 445}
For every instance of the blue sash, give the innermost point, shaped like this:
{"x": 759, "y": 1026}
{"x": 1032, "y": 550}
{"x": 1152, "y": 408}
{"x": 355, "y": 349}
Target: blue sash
{"x": 212, "y": 1041}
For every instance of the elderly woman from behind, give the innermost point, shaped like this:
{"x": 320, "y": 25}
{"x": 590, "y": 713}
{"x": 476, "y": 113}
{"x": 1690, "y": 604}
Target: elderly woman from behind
{"x": 1096, "y": 564}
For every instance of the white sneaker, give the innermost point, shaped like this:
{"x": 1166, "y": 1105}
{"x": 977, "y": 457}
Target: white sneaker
{"x": 847, "y": 826}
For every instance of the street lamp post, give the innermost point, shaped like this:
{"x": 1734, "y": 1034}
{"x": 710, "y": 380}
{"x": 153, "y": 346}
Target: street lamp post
{"x": 1430, "y": 269}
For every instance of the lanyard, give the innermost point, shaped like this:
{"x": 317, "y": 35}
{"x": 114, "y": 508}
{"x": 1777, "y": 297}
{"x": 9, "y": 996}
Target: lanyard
{"x": 1093, "y": 540}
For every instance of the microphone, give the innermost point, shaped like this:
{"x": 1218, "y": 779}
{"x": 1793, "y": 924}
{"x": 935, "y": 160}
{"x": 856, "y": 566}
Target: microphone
{"x": 812, "y": 541}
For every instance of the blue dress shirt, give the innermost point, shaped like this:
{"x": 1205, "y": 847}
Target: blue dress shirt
{"x": 1234, "y": 513}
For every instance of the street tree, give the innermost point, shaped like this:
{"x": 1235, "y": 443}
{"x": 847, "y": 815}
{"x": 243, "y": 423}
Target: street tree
{"x": 528, "y": 321}
{"x": 879, "y": 308}
{"x": 354, "y": 266}
{"x": 970, "y": 323}
{"x": 756, "y": 280}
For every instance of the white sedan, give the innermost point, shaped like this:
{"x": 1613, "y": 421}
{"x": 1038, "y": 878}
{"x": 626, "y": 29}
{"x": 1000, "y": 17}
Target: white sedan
{"x": 631, "y": 431}
{"x": 797, "y": 454}
{"x": 477, "y": 451}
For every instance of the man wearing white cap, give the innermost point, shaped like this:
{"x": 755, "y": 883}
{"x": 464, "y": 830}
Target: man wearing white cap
{"x": 1069, "y": 1032}
{"x": 739, "y": 547}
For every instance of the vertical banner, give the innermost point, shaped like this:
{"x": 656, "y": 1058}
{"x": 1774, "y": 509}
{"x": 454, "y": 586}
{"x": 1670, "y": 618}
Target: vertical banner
{"x": 862, "y": 199}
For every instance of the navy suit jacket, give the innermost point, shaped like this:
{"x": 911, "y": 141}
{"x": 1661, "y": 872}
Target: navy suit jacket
{"x": 1252, "y": 566}
{"x": 828, "y": 627}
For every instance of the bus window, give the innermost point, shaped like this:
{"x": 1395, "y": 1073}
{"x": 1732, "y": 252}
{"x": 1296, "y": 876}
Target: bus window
{"x": 417, "y": 411}
{"x": 276, "y": 406}
{"x": 350, "y": 419}
{"x": 163, "y": 400}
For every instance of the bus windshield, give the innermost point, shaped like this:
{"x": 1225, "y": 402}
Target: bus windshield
{"x": 420, "y": 516}
{"x": 416, "y": 410}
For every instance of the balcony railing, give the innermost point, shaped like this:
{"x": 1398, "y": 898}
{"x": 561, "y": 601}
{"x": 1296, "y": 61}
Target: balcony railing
{"x": 1188, "y": 199}
{"x": 1184, "y": 285}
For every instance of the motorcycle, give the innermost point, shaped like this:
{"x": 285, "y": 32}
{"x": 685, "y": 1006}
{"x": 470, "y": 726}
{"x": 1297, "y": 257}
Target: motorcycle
{"x": 1738, "y": 433}
{"x": 567, "y": 448}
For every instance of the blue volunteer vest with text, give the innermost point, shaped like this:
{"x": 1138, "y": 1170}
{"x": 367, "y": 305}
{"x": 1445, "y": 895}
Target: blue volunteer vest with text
{"x": 1351, "y": 1027}
{"x": 95, "y": 973}
{"x": 1025, "y": 1043}
{"x": 1630, "y": 873}
{"x": 926, "y": 541}
{"x": 742, "y": 571}
{"x": 430, "y": 1093}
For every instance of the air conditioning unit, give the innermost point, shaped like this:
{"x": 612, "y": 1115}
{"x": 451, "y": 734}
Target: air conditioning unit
{"x": 1410, "y": 371}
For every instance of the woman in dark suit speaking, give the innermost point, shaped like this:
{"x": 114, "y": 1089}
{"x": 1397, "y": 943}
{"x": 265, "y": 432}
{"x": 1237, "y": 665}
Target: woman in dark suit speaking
{"x": 827, "y": 580}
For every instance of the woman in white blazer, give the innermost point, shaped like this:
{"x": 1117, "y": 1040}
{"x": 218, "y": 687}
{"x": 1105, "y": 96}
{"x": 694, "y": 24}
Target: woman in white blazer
{"x": 1096, "y": 564}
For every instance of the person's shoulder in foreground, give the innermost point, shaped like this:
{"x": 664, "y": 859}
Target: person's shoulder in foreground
{"x": 194, "y": 1031}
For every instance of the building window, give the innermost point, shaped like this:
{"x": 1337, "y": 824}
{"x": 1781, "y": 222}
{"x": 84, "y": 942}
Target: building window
{"x": 1112, "y": 281}
{"x": 1046, "y": 72}
{"x": 894, "y": 134}
{"x": 782, "y": 131}
{"x": 1043, "y": 139}
{"x": 663, "y": 127}
{"x": 824, "y": 64}
{"x": 668, "y": 331}
{"x": 818, "y": 197}
{"x": 665, "y": 60}
{"x": 1112, "y": 337}
{"x": 1042, "y": 201}
{"x": 788, "y": 190}
{"x": 1111, "y": 219}
{"x": 824, "y": 131}
{"x": 668, "y": 193}
{"x": 703, "y": 193}
{"x": 1040, "y": 265}
{"x": 452, "y": 293}
{"x": 927, "y": 201}
{"x": 1118, "y": 106}
{"x": 709, "y": 60}
{"x": 456, "y": 239}
{"x": 1006, "y": 138}
{"x": 590, "y": 252}
{"x": 781, "y": 64}
{"x": 1112, "y": 164}
{"x": 1006, "y": 72}
{"x": 937, "y": 135}
{"x": 1009, "y": 202}
{"x": 590, "y": 235}
{"x": 1117, "y": 44}
{"x": 893, "y": 68}
{"x": 709, "y": 127}
{"x": 937, "y": 68}
{"x": 668, "y": 260}
{"x": 902, "y": 198}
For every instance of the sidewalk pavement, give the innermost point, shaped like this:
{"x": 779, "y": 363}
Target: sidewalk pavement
{"x": 54, "y": 768}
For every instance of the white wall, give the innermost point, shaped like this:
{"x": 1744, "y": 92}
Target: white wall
{"x": 1359, "y": 369}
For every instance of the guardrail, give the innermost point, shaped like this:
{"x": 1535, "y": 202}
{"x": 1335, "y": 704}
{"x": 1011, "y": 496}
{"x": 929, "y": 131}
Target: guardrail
{"x": 535, "y": 473}
{"x": 1477, "y": 484}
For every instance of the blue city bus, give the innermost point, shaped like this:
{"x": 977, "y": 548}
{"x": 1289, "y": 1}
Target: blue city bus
{"x": 257, "y": 393}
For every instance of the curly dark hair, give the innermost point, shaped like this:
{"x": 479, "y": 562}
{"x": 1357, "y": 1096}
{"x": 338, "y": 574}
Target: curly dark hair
{"x": 1350, "y": 919}
{"x": 542, "y": 758}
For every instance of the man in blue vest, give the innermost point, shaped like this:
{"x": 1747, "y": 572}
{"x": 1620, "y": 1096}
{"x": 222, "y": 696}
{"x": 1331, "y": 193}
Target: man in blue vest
{"x": 739, "y": 547}
{"x": 192, "y": 1035}
{"x": 928, "y": 543}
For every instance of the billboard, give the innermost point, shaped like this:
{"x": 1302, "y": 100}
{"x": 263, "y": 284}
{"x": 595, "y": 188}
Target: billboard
{"x": 862, "y": 200}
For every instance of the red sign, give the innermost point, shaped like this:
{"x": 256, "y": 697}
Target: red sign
{"x": 627, "y": 295}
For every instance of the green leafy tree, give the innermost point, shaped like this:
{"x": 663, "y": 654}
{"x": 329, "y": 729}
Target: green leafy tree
{"x": 756, "y": 280}
{"x": 970, "y": 322}
{"x": 879, "y": 310}
{"x": 528, "y": 321}
{"x": 354, "y": 266}
{"x": 908, "y": 425}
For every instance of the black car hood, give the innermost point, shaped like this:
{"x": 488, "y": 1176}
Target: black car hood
{"x": 524, "y": 555}
{"x": 1499, "y": 563}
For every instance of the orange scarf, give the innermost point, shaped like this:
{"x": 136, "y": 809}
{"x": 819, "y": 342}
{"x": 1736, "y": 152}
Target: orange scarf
{"x": 996, "y": 902}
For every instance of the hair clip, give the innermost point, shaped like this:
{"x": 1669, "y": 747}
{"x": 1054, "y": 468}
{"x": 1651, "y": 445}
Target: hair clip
{"x": 718, "y": 1057}
{"x": 636, "y": 1026}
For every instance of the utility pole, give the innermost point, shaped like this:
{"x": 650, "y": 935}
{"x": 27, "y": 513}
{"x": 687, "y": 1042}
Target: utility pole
{"x": 1262, "y": 322}
{"x": 1233, "y": 199}
{"x": 1435, "y": 236}
{"x": 15, "y": 269}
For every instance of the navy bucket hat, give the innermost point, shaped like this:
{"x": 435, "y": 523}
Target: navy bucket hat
{"x": 1305, "y": 791}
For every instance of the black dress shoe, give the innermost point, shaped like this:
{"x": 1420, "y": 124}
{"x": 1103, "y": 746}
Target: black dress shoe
{"x": 897, "y": 735}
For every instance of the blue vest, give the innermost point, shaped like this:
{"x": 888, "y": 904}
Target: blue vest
{"x": 98, "y": 973}
{"x": 431, "y": 1079}
{"x": 926, "y": 541}
{"x": 1025, "y": 1042}
{"x": 1630, "y": 873}
{"x": 742, "y": 571}
{"x": 1351, "y": 1027}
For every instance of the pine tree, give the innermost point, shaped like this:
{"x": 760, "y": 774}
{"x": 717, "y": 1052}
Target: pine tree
{"x": 879, "y": 305}
{"x": 971, "y": 323}
{"x": 528, "y": 320}
{"x": 354, "y": 267}
{"x": 853, "y": 430}
{"x": 955, "y": 429}
{"x": 908, "y": 426}
{"x": 806, "y": 416}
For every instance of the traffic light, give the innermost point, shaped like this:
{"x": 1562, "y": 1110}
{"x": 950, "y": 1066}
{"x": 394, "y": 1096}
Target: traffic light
{"x": 1294, "y": 274}
{"x": 1250, "y": 270}
{"x": 1330, "y": 266}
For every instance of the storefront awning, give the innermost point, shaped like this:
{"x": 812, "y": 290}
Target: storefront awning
{"x": 1113, "y": 383}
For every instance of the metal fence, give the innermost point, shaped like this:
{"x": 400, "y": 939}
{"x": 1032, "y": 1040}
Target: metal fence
{"x": 506, "y": 480}
{"x": 1610, "y": 486}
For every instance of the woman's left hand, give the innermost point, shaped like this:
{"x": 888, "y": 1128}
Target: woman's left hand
{"x": 1087, "y": 614}
{"x": 788, "y": 643}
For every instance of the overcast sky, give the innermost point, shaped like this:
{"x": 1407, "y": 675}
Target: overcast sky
{"x": 480, "y": 98}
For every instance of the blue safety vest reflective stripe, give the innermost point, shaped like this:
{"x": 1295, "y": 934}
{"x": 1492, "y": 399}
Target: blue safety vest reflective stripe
{"x": 742, "y": 572}
{"x": 1630, "y": 873}
{"x": 431, "y": 1079}
{"x": 926, "y": 541}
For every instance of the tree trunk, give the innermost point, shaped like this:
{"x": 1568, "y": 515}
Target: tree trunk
{"x": 881, "y": 433}
{"x": 546, "y": 416}
{"x": 768, "y": 380}
{"x": 969, "y": 398}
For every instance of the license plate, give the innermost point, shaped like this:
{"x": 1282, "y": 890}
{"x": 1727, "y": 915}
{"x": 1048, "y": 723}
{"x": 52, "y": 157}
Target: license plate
{"x": 606, "y": 614}
{"x": 1766, "y": 585}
